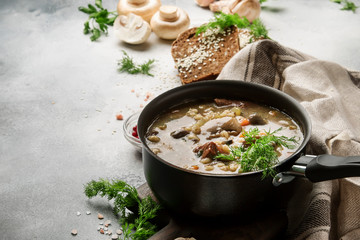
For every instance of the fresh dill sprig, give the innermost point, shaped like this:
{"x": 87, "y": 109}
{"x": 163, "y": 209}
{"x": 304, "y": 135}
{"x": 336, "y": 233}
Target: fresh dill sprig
{"x": 223, "y": 21}
{"x": 126, "y": 64}
{"x": 258, "y": 29}
{"x": 98, "y": 21}
{"x": 258, "y": 151}
{"x": 135, "y": 213}
{"x": 347, "y": 5}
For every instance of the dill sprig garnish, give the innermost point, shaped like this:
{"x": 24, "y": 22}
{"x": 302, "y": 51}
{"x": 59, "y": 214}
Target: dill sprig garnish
{"x": 258, "y": 151}
{"x": 223, "y": 21}
{"x": 98, "y": 21}
{"x": 127, "y": 65}
{"x": 135, "y": 213}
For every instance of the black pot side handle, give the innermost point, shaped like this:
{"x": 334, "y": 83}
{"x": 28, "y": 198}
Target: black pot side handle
{"x": 321, "y": 168}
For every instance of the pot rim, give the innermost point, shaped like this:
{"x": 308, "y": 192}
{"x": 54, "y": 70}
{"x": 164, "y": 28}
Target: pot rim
{"x": 295, "y": 103}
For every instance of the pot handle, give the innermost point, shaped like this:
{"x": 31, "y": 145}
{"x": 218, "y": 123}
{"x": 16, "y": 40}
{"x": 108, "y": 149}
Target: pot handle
{"x": 328, "y": 167}
{"x": 321, "y": 168}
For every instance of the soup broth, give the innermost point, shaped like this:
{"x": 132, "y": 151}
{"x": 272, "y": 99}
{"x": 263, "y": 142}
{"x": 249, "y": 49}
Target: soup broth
{"x": 223, "y": 136}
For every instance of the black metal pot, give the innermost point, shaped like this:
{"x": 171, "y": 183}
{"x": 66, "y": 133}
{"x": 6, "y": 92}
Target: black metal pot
{"x": 211, "y": 195}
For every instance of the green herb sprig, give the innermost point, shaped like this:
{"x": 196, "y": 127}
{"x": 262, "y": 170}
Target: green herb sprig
{"x": 258, "y": 151}
{"x": 126, "y": 64}
{"x": 136, "y": 224}
{"x": 347, "y": 5}
{"x": 98, "y": 21}
{"x": 223, "y": 21}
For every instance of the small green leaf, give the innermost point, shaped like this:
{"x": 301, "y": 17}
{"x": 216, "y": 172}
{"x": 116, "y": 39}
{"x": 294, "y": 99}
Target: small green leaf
{"x": 349, "y": 6}
{"x": 85, "y": 10}
{"x": 94, "y": 15}
{"x": 103, "y": 14}
{"x": 103, "y": 27}
{"x": 92, "y": 8}
{"x": 101, "y": 20}
{"x": 110, "y": 21}
{"x": 98, "y": 3}
{"x": 86, "y": 28}
{"x": 95, "y": 34}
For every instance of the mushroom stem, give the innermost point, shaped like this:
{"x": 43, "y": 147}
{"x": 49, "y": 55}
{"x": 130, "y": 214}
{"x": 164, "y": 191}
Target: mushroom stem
{"x": 143, "y": 8}
{"x": 169, "y": 13}
{"x": 169, "y": 21}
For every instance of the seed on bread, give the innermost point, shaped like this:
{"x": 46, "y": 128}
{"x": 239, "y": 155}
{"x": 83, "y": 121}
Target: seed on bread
{"x": 201, "y": 57}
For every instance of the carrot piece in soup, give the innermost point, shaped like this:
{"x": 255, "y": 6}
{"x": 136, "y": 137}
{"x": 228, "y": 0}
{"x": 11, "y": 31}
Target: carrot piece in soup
{"x": 244, "y": 122}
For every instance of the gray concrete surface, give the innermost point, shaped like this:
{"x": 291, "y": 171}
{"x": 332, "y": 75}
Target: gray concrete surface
{"x": 60, "y": 93}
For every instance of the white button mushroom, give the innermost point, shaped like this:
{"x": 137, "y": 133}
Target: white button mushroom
{"x": 143, "y": 8}
{"x": 131, "y": 29}
{"x": 204, "y": 3}
{"x": 246, "y": 8}
{"x": 169, "y": 22}
{"x": 219, "y": 6}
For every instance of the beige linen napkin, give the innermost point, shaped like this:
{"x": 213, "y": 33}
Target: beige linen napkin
{"x": 331, "y": 95}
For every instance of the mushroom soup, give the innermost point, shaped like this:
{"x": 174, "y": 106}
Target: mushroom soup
{"x": 224, "y": 136}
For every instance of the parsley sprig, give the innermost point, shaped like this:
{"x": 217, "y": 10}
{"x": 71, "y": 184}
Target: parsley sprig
{"x": 127, "y": 64}
{"x": 135, "y": 213}
{"x": 98, "y": 21}
{"x": 347, "y": 5}
{"x": 223, "y": 21}
{"x": 258, "y": 151}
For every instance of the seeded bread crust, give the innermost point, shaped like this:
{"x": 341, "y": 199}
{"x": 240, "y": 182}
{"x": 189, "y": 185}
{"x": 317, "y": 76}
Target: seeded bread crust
{"x": 203, "y": 57}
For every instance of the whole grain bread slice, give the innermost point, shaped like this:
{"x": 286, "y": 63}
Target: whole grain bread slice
{"x": 203, "y": 56}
